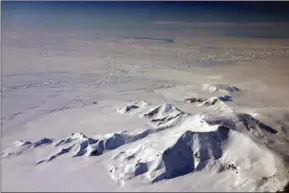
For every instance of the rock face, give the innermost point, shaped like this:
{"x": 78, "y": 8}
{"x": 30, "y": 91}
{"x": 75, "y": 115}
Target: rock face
{"x": 131, "y": 107}
{"x": 220, "y": 88}
{"x": 210, "y": 101}
{"x": 165, "y": 115}
{"x": 285, "y": 189}
{"x": 195, "y": 100}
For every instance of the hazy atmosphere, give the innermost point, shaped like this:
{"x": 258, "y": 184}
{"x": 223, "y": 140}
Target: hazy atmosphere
{"x": 145, "y": 96}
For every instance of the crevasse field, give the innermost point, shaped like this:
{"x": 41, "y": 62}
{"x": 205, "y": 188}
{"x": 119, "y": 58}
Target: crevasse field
{"x": 148, "y": 110}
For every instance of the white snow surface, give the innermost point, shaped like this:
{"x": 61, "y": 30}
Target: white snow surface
{"x": 133, "y": 118}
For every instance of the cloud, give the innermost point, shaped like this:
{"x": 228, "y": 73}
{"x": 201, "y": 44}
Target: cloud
{"x": 220, "y": 24}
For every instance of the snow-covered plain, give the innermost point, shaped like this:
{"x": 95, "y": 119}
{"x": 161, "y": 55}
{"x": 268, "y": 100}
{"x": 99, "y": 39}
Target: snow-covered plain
{"x": 143, "y": 114}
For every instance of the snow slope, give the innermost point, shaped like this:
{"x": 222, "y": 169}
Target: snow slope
{"x": 175, "y": 144}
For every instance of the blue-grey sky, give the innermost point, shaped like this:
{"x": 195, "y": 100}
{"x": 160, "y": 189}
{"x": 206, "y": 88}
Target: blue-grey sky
{"x": 144, "y": 15}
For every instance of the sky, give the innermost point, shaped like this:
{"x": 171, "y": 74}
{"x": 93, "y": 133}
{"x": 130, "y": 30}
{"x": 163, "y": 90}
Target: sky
{"x": 141, "y": 15}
